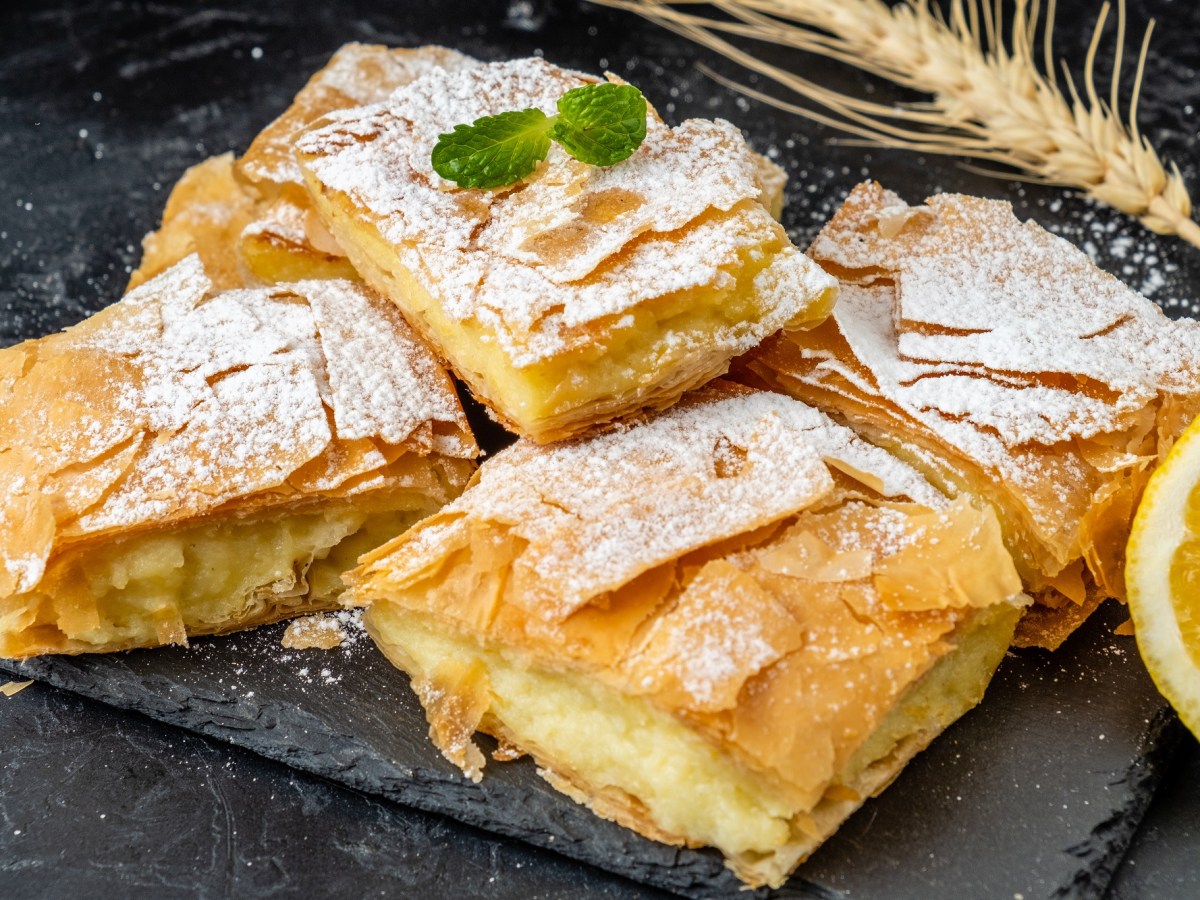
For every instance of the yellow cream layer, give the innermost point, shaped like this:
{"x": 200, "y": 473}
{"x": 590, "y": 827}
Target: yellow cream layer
{"x": 156, "y": 587}
{"x": 274, "y": 259}
{"x": 646, "y": 357}
{"x": 602, "y": 742}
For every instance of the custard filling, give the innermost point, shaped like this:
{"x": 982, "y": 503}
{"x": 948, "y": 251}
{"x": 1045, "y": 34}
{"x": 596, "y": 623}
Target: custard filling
{"x": 160, "y": 586}
{"x": 275, "y": 259}
{"x": 649, "y": 354}
{"x": 603, "y": 740}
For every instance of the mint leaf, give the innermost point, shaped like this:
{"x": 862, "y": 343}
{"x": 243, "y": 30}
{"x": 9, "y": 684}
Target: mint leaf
{"x": 600, "y": 124}
{"x": 493, "y": 151}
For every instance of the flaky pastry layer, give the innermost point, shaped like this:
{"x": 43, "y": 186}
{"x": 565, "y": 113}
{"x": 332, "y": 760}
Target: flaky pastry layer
{"x": 216, "y": 575}
{"x": 735, "y": 593}
{"x": 206, "y": 213}
{"x": 998, "y": 360}
{"x": 182, "y": 405}
{"x": 583, "y": 294}
{"x": 251, "y": 220}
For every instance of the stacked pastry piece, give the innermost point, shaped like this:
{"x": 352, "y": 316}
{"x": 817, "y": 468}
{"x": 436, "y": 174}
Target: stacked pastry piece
{"x": 250, "y": 219}
{"x": 190, "y": 461}
{"x": 726, "y": 625}
{"x": 582, "y": 294}
{"x": 998, "y": 360}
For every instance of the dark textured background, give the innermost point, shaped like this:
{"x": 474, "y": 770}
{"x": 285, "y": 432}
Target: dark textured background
{"x": 102, "y": 106}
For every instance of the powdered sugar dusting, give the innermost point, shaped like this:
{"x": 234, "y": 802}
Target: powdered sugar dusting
{"x": 572, "y": 245}
{"x": 722, "y": 629}
{"x": 982, "y": 335}
{"x": 383, "y": 378}
{"x": 357, "y": 74}
{"x": 209, "y": 397}
{"x": 282, "y": 219}
{"x": 598, "y": 512}
{"x": 939, "y": 399}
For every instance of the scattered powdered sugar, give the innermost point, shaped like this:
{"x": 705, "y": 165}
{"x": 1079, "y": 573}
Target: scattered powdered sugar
{"x": 321, "y": 664}
{"x": 357, "y": 74}
{"x": 573, "y": 244}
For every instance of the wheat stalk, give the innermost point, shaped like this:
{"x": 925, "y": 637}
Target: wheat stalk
{"x": 991, "y": 98}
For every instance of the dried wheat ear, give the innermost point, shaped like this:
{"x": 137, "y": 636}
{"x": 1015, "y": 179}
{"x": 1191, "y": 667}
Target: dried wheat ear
{"x": 991, "y": 98}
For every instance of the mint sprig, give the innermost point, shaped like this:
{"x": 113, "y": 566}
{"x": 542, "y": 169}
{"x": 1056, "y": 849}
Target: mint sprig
{"x": 598, "y": 124}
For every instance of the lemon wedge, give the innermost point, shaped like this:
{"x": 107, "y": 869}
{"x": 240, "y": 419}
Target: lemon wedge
{"x": 1162, "y": 577}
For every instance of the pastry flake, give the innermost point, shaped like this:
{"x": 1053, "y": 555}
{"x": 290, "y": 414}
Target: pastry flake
{"x": 705, "y": 597}
{"x": 998, "y": 360}
{"x": 250, "y": 219}
{"x": 189, "y": 461}
{"x": 206, "y": 212}
{"x": 286, "y": 240}
{"x": 582, "y": 294}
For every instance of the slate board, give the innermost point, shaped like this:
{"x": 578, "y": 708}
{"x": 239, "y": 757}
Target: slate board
{"x": 1046, "y": 781}
{"x": 156, "y": 813}
{"x": 104, "y": 103}
{"x": 1161, "y": 863}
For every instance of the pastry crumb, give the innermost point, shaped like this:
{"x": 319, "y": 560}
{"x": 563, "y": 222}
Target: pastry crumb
{"x": 314, "y": 633}
{"x": 506, "y": 752}
{"x": 12, "y": 688}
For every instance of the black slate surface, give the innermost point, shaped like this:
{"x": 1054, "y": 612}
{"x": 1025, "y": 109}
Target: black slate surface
{"x": 159, "y": 813}
{"x": 104, "y": 103}
{"x": 1036, "y": 792}
{"x": 1163, "y": 861}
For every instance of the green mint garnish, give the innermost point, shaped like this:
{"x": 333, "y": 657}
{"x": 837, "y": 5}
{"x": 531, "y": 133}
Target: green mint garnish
{"x": 494, "y": 151}
{"x": 598, "y": 124}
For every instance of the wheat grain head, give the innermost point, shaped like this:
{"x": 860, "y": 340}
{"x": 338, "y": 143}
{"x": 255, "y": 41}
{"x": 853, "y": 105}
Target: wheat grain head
{"x": 994, "y": 92}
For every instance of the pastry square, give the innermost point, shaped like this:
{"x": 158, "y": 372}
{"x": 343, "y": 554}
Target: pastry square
{"x": 582, "y": 294}
{"x": 251, "y": 220}
{"x": 725, "y": 625}
{"x": 286, "y": 240}
{"x": 999, "y": 361}
{"x": 189, "y": 461}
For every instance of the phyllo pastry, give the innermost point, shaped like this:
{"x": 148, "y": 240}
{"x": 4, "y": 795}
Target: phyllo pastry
{"x": 999, "y": 361}
{"x": 188, "y": 462}
{"x": 726, "y": 625}
{"x": 582, "y": 294}
{"x": 286, "y": 240}
{"x": 205, "y": 214}
{"x": 251, "y": 221}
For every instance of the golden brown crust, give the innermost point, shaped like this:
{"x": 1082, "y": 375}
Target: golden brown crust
{"x": 205, "y": 213}
{"x": 739, "y": 564}
{"x": 181, "y": 403}
{"x": 250, "y": 220}
{"x": 357, "y": 74}
{"x": 953, "y": 346}
{"x": 558, "y": 268}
